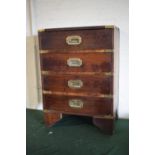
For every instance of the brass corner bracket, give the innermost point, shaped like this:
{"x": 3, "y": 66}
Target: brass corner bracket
{"x": 41, "y": 30}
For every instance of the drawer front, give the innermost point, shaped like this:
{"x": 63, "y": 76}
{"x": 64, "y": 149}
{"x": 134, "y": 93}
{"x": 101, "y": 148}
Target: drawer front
{"x": 76, "y": 39}
{"x": 78, "y": 83}
{"x": 78, "y": 105}
{"x": 77, "y": 62}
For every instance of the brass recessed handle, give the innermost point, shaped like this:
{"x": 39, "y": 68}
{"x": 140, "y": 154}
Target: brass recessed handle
{"x": 73, "y": 40}
{"x": 76, "y": 103}
{"x": 74, "y": 62}
{"x": 75, "y": 84}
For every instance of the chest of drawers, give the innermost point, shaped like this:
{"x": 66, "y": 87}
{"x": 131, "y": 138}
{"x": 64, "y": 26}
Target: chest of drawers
{"x": 79, "y": 72}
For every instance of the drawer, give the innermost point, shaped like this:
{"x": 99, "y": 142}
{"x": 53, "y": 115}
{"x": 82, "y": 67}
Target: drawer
{"x": 76, "y": 39}
{"x": 77, "y": 62}
{"x": 78, "y": 83}
{"x": 78, "y": 105}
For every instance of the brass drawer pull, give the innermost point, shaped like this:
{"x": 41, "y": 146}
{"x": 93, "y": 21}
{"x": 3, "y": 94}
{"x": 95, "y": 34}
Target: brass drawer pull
{"x": 73, "y": 40}
{"x": 75, "y": 103}
{"x": 74, "y": 62}
{"x": 75, "y": 84}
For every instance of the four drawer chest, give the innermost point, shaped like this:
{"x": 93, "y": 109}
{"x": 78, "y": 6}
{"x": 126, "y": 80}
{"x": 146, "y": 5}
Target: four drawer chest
{"x": 79, "y": 73}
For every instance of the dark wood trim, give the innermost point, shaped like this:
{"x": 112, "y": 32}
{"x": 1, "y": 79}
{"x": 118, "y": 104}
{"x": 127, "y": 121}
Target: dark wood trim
{"x": 106, "y": 125}
{"x": 51, "y": 117}
{"x": 77, "y": 28}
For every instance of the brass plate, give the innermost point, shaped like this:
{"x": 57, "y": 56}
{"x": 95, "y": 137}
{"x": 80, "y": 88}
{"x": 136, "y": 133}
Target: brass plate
{"x": 73, "y": 40}
{"x": 74, "y": 62}
{"x": 80, "y": 51}
{"x": 109, "y": 26}
{"x": 79, "y": 94}
{"x": 75, "y": 84}
{"x": 44, "y": 51}
{"x": 105, "y": 117}
{"x": 41, "y": 30}
{"x": 76, "y": 103}
{"x": 46, "y": 92}
{"x": 107, "y": 96}
{"x": 77, "y": 73}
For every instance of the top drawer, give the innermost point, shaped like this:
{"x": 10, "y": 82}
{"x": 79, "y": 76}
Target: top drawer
{"x": 76, "y": 39}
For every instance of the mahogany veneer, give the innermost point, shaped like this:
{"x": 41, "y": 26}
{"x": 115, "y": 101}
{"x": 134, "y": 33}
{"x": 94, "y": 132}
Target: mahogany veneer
{"x": 79, "y": 72}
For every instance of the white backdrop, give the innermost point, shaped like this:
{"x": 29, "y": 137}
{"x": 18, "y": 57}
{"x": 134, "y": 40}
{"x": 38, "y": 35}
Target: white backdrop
{"x": 69, "y": 13}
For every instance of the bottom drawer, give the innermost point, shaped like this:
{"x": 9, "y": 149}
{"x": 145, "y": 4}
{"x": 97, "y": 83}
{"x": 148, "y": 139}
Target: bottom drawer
{"x": 79, "y": 105}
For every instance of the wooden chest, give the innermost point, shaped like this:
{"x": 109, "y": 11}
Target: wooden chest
{"x": 79, "y": 72}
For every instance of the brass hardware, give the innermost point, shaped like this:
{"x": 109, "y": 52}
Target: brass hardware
{"x": 86, "y": 51}
{"x": 108, "y": 116}
{"x": 109, "y": 26}
{"x": 79, "y": 94}
{"x": 41, "y": 30}
{"x": 46, "y": 92}
{"x": 108, "y": 50}
{"x": 45, "y": 72}
{"x": 44, "y": 51}
{"x": 75, "y": 103}
{"x": 76, "y": 84}
{"x": 104, "y": 50}
{"x": 74, "y": 62}
{"x": 108, "y": 73}
{"x": 107, "y": 96}
{"x": 101, "y": 50}
{"x": 46, "y": 111}
{"x": 73, "y": 40}
{"x": 105, "y": 117}
{"x": 77, "y": 73}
